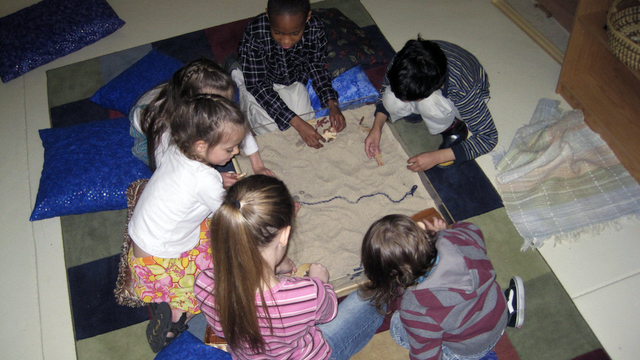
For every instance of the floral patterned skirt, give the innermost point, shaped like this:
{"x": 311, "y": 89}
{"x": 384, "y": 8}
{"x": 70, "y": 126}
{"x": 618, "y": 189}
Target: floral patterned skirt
{"x": 171, "y": 280}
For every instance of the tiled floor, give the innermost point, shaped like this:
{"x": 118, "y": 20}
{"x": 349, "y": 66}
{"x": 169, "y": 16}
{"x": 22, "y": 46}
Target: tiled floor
{"x": 600, "y": 273}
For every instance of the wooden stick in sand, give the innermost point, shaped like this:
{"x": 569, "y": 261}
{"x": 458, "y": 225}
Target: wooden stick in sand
{"x": 236, "y": 165}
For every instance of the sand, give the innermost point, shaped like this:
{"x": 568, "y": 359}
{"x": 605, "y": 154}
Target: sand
{"x": 331, "y": 232}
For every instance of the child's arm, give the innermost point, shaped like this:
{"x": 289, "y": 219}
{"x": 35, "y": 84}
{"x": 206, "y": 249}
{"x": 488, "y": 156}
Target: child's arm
{"x": 258, "y": 166}
{"x": 372, "y": 142}
{"x": 310, "y": 136}
{"x": 320, "y": 272}
{"x": 250, "y": 148}
{"x": 427, "y": 160}
{"x": 335, "y": 116}
{"x": 483, "y": 135}
{"x": 317, "y": 44}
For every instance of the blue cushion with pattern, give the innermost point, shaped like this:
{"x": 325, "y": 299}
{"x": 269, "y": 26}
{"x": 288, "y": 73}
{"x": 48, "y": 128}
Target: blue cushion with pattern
{"x": 87, "y": 168}
{"x": 43, "y": 32}
{"x": 123, "y": 91}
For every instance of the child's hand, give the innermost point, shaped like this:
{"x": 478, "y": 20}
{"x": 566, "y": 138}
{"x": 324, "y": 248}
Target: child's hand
{"x": 427, "y": 160}
{"x": 229, "y": 179}
{"x": 372, "y": 143}
{"x": 320, "y": 272}
{"x": 335, "y": 116}
{"x": 264, "y": 171}
{"x": 286, "y": 267}
{"x": 436, "y": 224}
{"x": 258, "y": 166}
{"x": 307, "y": 133}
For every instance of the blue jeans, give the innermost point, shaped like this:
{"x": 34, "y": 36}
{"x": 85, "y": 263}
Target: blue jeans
{"x": 353, "y": 327}
{"x": 399, "y": 335}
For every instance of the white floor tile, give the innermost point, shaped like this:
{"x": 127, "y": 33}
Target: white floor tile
{"x": 595, "y": 261}
{"x": 613, "y": 313}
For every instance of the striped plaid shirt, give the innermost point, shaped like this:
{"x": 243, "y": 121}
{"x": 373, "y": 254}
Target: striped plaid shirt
{"x": 460, "y": 304}
{"x": 467, "y": 85}
{"x": 295, "y": 305}
{"x": 264, "y": 63}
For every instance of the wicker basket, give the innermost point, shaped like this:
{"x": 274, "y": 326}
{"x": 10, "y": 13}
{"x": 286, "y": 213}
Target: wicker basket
{"x": 623, "y": 30}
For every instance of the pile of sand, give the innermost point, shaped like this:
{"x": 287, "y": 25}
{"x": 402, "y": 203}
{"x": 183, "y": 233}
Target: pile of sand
{"x": 331, "y": 232}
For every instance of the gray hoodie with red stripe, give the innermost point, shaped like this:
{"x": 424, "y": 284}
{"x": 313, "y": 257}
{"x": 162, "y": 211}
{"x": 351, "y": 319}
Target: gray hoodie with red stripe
{"x": 459, "y": 305}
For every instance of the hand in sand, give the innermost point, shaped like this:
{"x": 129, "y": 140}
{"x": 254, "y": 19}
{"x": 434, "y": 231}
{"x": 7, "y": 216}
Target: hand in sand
{"x": 338, "y": 122}
{"x": 372, "y": 143}
{"x": 264, "y": 171}
{"x": 307, "y": 133}
{"x": 320, "y": 272}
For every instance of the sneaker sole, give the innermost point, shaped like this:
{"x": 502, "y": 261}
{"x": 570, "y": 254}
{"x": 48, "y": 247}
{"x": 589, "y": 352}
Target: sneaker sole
{"x": 517, "y": 280}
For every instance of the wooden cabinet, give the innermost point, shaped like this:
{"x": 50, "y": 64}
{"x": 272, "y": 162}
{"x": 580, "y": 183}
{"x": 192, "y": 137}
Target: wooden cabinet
{"x": 607, "y": 91}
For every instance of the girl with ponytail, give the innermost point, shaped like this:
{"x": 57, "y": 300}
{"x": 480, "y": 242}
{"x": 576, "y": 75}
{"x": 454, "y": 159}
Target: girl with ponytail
{"x": 248, "y": 300}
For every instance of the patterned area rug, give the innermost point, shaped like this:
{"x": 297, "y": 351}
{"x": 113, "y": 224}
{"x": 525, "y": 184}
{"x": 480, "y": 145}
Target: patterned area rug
{"x": 553, "y": 329}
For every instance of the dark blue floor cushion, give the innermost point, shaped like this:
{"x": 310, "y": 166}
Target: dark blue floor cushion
{"x": 49, "y": 29}
{"x": 93, "y": 303}
{"x": 77, "y": 112}
{"x": 187, "y": 47}
{"x": 465, "y": 190}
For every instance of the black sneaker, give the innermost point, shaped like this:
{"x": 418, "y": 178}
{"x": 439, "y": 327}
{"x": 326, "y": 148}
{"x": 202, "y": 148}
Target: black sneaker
{"x": 231, "y": 63}
{"x": 515, "y": 302}
{"x": 454, "y": 135}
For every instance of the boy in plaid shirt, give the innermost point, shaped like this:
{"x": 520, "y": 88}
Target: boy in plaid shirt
{"x": 280, "y": 50}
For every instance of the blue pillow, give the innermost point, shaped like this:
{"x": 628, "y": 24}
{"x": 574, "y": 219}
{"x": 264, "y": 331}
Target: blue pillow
{"x": 350, "y": 85}
{"x": 189, "y": 347}
{"x": 123, "y": 91}
{"x": 87, "y": 168}
{"x": 43, "y": 32}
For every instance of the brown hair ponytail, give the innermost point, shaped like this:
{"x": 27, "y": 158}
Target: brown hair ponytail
{"x": 253, "y": 212}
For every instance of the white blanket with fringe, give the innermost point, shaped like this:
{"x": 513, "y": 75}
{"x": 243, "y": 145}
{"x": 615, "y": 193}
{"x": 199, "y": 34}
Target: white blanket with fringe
{"x": 560, "y": 179}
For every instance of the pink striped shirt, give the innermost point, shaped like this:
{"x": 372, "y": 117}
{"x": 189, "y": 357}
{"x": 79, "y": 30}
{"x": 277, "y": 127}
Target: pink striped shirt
{"x": 295, "y": 305}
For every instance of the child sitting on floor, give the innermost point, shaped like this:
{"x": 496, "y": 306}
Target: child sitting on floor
{"x": 167, "y": 250}
{"x": 151, "y": 115}
{"x": 280, "y": 50}
{"x": 451, "y": 305}
{"x": 446, "y": 87}
{"x": 262, "y": 315}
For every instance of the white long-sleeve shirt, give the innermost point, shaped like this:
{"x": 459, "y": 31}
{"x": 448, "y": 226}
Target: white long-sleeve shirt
{"x": 179, "y": 196}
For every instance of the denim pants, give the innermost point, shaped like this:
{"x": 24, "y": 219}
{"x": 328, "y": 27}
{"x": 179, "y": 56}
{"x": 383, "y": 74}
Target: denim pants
{"x": 353, "y": 327}
{"x": 399, "y": 335}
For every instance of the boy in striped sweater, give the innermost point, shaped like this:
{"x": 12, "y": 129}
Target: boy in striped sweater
{"x": 446, "y": 87}
{"x": 451, "y": 305}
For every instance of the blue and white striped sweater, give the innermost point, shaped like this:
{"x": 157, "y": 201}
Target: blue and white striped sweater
{"x": 467, "y": 85}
